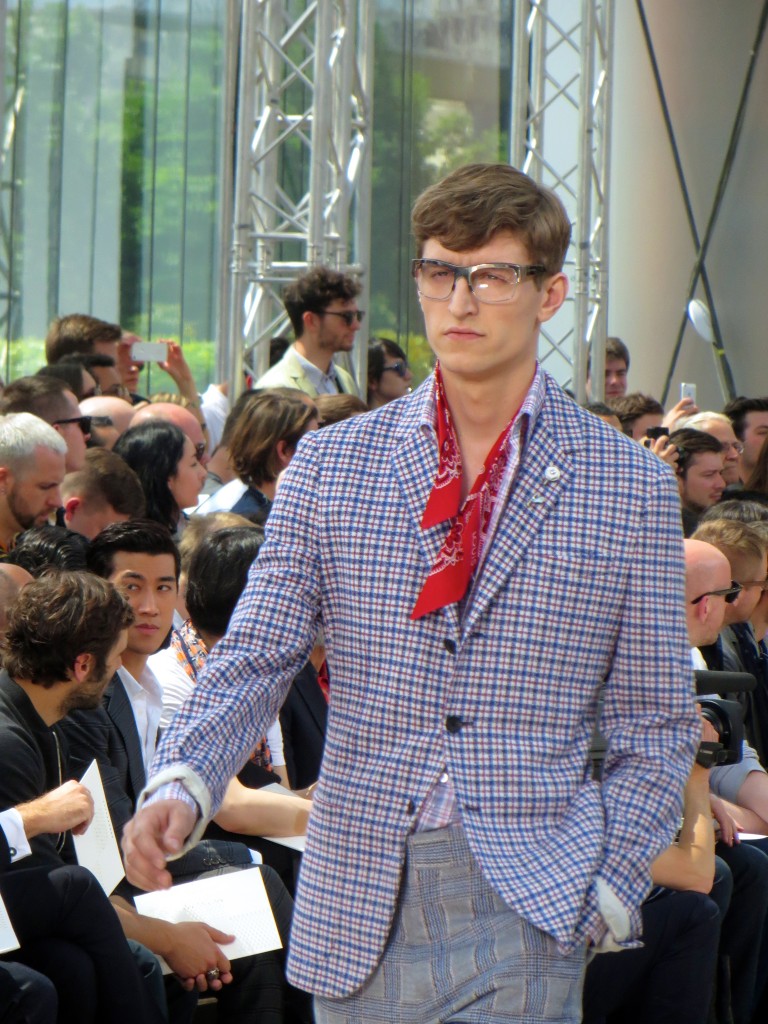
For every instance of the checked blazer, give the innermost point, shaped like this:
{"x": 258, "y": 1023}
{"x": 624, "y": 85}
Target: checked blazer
{"x": 582, "y": 583}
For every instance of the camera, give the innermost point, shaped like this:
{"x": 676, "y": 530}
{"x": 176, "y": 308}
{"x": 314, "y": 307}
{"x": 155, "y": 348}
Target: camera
{"x": 726, "y": 716}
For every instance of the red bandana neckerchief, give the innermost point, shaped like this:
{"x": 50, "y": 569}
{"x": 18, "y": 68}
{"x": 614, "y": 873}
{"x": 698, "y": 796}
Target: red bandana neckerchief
{"x": 457, "y": 560}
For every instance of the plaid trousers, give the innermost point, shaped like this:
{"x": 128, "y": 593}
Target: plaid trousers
{"x": 458, "y": 953}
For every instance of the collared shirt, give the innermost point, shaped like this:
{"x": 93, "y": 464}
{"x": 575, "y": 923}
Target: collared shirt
{"x": 324, "y": 383}
{"x": 440, "y": 808}
{"x": 146, "y": 697}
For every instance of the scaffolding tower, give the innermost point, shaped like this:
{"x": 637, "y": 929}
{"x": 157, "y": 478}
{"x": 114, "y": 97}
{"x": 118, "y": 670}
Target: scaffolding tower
{"x": 561, "y": 116}
{"x": 300, "y": 166}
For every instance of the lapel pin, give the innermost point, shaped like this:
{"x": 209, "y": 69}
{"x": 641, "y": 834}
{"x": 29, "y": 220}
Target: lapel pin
{"x": 538, "y": 499}
{"x": 552, "y": 473}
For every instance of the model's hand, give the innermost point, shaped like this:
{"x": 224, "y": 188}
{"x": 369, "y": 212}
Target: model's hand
{"x": 153, "y": 835}
{"x": 68, "y": 807}
{"x": 193, "y": 951}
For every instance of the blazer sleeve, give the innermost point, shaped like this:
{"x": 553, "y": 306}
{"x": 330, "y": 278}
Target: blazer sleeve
{"x": 649, "y": 718}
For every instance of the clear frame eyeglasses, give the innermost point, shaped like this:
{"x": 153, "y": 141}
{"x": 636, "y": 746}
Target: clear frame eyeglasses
{"x": 488, "y": 282}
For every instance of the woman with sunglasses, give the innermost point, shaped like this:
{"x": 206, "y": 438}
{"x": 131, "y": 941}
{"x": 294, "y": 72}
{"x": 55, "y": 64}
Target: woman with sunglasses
{"x": 389, "y": 376}
{"x": 167, "y": 465}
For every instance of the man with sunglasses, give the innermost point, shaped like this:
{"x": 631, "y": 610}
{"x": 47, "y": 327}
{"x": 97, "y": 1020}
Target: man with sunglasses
{"x": 485, "y": 559}
{"x": 51, "y": 400}
{"x": 322, "y": 307}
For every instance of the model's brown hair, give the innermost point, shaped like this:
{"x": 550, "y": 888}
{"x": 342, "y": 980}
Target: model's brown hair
{"x": 471, "y": 205}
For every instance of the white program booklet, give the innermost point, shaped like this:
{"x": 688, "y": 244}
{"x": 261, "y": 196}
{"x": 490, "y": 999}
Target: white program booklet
{"x": 236, "y": 903}
{"x": 8, "y": 940}
{"x": 97, "y": 848}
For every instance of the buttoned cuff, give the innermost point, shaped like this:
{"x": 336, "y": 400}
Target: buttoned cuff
{"x": 180, "y": 783}
{"x": 13, "y": 827}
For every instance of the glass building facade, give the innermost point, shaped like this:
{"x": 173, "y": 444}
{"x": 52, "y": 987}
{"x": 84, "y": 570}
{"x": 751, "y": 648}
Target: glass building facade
{"x": 112, "y": 158}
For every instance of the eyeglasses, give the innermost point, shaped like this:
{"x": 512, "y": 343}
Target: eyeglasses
{"x": 488, "y": 282}
{"x": 729, "y": 593}
{"x": 400, "y": 368}
{"x": 762, "y": 584}
{"x": 102, "y": 421}
{"x": 84, "y": 422}
{"x": 349, "y": 316}
{"x": 200, "y": 450}
{"x": 737, "y": 446}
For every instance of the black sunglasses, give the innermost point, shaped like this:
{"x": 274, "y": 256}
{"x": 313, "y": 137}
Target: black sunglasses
{"x": 729, "y": 593}
{"x": 400, "y": 368}
{"x": 84, "y": 422}
{"x": 349, "y": 316}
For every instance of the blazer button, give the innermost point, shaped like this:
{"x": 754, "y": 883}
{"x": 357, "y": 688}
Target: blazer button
{"x": 450, "y": 645}
{"x": 410, "y": 807}
{"x": 453, "y": 723}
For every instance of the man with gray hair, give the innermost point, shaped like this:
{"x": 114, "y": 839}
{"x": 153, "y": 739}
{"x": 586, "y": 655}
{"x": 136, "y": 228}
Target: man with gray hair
{"x": 719, "y": 426}
{"x": 32, "y": 466}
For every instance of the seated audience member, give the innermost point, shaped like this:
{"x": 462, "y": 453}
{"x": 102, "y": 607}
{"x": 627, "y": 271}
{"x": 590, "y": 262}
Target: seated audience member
{"x": 104, "y": 491}
{"x": 63, "y": 639}
{"x": 182, "y": 417}
{"x": 166, "y": 463}
{"x": 49, "y": 549}
{"x": 742, "y": 642}
{"x": 79, "y": 333}
{"x": 142, "y": 561}
{"x": 335, "y": 408}
{"x": 699, "y": 474}
{"x": 110, "y": 417}
{"x": 719, "y": 426}
{"x": 605, "y": 413}
{"x": 222, "y": 485}
{"x": 389, "y": 375}
{"x": 218, "y": 572}
{"x": 32, "y": 461}
{"x": 12, "y": 579}
{"x": 745, "y": 511}
{"x": 322, "y": 307}
{"x": 616, "y": 370}
{"x": 51, "y": 400}
{"x": 262, "y": 443}
{"x": 198, "y": 527}
{"x": 80, "y": 382}
{"x": 104, "y": 370}
{"x": 637, "y": 412}
{"x": 749, "y": 417}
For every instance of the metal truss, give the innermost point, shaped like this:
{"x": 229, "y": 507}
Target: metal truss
{"x": 301, "y": 169}
{"x": 561, "y": 115}
{"x": 701, "y": 242}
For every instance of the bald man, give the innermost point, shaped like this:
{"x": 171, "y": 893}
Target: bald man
{"x": 707, "y": 579}
{"x": 107, "y": 407}
{"x": 177, "y": 414}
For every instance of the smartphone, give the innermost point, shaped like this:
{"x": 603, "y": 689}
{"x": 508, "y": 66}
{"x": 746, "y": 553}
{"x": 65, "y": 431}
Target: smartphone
{"x": 688, "y": 391}
{"x": 149, "y": 351}
{"x": 656, "y": 432}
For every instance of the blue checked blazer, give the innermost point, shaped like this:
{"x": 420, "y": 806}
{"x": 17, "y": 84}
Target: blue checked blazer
{"x": 582, "y": 582}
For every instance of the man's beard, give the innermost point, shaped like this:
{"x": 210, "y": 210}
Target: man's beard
{"x": 87, "y": 695}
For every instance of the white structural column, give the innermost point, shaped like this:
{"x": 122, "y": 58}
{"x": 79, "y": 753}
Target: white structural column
{"x": 561, "y": 114}
{"x": 302, "y": 167}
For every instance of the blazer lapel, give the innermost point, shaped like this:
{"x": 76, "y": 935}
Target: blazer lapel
{"x": 415, "y": 466}
{"x": 120, "y": 712}
{"x": 545, "y": 473}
